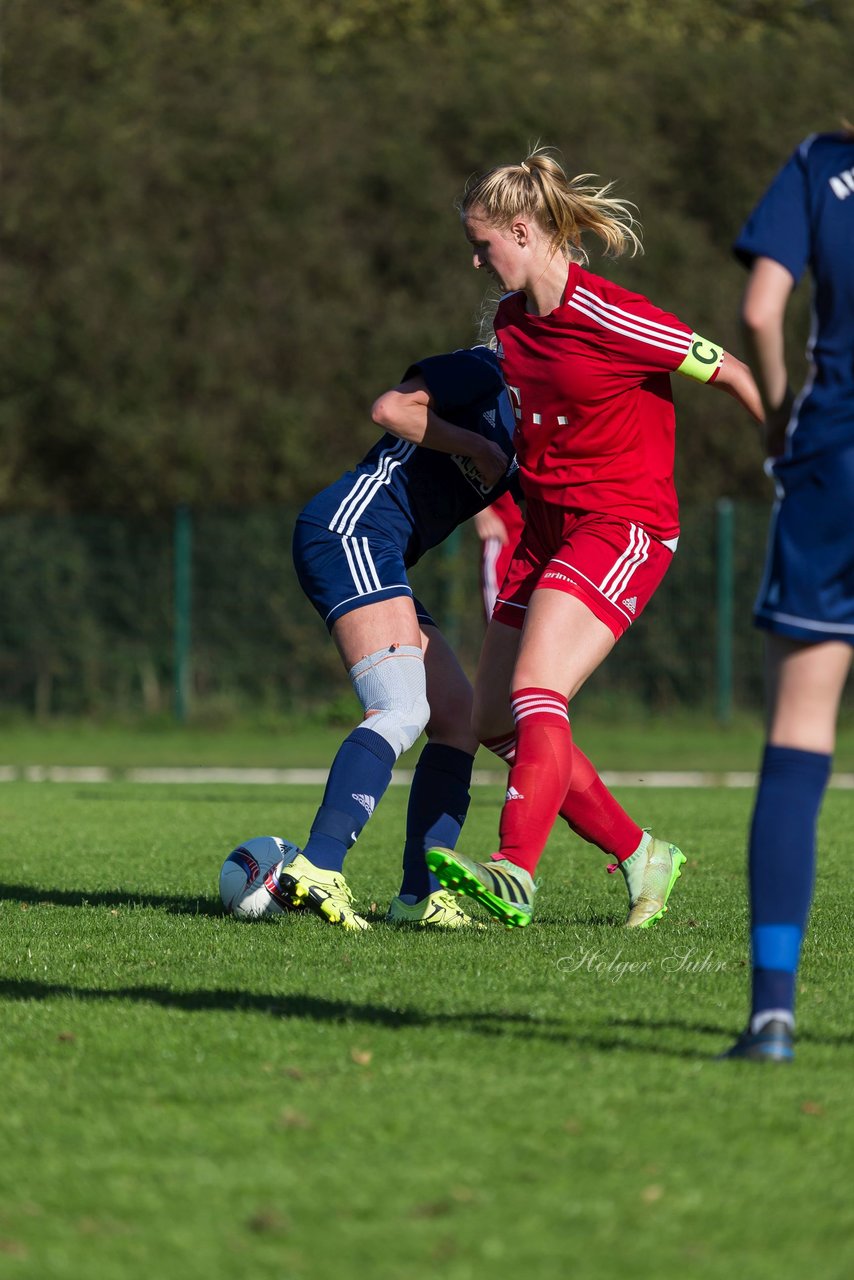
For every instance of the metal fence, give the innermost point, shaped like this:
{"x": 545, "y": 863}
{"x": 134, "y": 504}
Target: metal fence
{"x": 200, "y": 610}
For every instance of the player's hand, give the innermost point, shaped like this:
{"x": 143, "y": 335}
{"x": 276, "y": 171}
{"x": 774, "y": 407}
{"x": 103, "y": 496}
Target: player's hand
{"x": 491, "y": 462}
{"x": 776, "y": 422}
{"x": 490, "y": 525}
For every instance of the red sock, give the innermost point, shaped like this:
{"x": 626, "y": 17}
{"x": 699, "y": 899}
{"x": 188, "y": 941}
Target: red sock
{"x": 540, "y": 775}
{"x": 595, "y": 815}
{"x": 588, "y": 806}
{"x": 504, "y": 747}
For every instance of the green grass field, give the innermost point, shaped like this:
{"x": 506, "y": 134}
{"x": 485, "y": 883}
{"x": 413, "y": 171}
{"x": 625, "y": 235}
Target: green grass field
{"x": 187, "y": 1096}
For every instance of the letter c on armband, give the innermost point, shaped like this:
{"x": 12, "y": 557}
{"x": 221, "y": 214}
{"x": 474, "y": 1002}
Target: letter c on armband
{"x": 703, "y": 360}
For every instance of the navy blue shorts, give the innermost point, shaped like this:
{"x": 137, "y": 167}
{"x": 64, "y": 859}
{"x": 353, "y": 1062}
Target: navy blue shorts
{"x": 807, "y": 592}
{"x": 342, "y": 572}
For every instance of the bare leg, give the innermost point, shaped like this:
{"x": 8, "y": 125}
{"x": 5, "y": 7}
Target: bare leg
{"x": 805, "y": 683}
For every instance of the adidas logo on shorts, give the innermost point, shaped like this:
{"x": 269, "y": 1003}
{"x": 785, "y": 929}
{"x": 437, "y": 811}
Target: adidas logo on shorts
{"x": 631, "y": 604}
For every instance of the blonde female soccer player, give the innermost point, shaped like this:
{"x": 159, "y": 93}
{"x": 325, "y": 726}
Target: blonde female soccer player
{"x": 587, "y": 364}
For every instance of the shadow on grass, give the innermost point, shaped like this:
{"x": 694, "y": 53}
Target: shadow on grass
{"x": 311, "y": 1008}
{"x": 199, "y": 906}
{"x": 609, "y": 1037}
{"x": 707, "y": 1029}
{"x": 110, "y": 898}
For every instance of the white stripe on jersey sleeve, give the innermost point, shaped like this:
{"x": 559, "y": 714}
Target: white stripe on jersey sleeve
{"x": 641, "y": 330}
{"x": 368, "y": 485}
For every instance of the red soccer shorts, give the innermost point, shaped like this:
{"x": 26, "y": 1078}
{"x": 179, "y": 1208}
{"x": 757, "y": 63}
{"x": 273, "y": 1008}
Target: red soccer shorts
{"x": 612, "y": 565}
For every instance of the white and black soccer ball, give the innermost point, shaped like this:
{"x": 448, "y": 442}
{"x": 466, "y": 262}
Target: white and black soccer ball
{"x": 246, "y": 884}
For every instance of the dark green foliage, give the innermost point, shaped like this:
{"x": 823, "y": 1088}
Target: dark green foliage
{"x": 226, "y": 227}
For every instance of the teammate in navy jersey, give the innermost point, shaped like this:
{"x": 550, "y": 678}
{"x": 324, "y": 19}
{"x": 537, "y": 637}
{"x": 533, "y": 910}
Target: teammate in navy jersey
{"x": 806, "y": 599}
{"x": 587, "y": 365}
{"x": 446, "y": 454}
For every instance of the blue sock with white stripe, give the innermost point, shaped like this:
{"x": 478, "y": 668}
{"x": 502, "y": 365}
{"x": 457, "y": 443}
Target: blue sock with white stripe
{"x": 781, "y": 870}
{"x": 438, "y": 803}
{"x": 357, "y": 781}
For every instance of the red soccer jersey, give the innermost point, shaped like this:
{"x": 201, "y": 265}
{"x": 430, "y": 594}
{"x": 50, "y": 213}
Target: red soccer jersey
{"x": 590, "y": 385}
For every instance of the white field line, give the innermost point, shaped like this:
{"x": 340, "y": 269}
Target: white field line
{"x": 400, "y": 777}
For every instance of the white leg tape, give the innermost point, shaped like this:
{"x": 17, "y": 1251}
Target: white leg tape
{"x": 391, "y": 684}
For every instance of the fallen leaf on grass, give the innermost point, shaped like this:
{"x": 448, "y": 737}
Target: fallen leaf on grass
{"x": 446, "y": 1204}
{"x": 433, "y": 1208}
{"x": 361, "y": 1057}
{"x": 266, "y": 1220}
{"x": 294, "y": 1120}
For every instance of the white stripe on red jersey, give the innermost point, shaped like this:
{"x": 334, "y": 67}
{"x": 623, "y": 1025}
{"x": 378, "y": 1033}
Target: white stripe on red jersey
{"x": 630, "y": 324}
{"x": 590, "y": 385}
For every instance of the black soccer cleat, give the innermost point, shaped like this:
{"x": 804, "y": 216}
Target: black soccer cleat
{"x": 774, "y": 1043}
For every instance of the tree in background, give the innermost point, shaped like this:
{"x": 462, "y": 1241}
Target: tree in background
{"x": 224, "y": 226}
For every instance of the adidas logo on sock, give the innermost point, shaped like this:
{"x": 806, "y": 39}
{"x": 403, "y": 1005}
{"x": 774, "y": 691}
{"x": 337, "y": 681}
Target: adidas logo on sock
{"x": 367, "y": 803}
{"x": 631, "y": 604}
{"x": 513, "y": 794}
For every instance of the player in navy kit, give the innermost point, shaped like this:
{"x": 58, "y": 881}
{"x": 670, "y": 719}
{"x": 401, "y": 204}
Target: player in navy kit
{"x": 587, "y": 364}
{"x": 806, "y": 599}
{"x": 446, "y": 454}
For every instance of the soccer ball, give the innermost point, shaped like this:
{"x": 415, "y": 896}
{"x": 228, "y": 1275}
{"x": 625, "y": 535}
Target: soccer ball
{"x": 246, "y": 887}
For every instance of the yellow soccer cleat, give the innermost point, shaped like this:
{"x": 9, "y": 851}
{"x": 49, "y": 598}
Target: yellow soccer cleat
{"x": 326, "y": 893}
{"x": 505, "y": 890}
{"x": 438, "y": 910}
{"x": 650, "y": 874}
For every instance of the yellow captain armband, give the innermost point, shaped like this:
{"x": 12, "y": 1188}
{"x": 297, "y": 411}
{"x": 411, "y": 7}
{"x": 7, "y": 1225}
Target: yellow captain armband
{"x": 703, "y": 360}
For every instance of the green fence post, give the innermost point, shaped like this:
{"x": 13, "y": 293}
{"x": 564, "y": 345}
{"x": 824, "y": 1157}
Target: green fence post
{"x": 183, "y": 547}
{"x": 726, "y": 584}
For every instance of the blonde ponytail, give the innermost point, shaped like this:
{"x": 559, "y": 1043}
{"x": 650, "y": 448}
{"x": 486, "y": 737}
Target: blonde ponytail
{"x": 564, "y": 208}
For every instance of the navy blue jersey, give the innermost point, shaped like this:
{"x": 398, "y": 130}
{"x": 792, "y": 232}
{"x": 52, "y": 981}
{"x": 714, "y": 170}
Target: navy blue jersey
{"x": 806, "y": 219}
{"x": 415, "y": 495}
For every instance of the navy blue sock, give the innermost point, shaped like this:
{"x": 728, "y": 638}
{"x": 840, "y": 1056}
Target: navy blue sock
{"x": 782, "y": 869}
{"x": 438, "y": 804}
{"x": 357, "y": 781}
